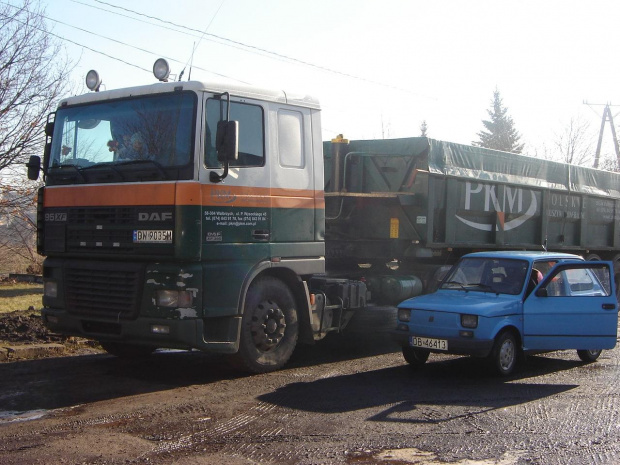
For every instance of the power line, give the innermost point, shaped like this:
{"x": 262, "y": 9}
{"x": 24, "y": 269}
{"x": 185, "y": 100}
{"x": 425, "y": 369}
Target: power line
{"x": 118, "y": 42}
{"x": 246, "y": 47}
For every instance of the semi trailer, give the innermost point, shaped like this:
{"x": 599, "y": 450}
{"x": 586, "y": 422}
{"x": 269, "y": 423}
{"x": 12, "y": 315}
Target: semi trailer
{"x": 209, "y": 216}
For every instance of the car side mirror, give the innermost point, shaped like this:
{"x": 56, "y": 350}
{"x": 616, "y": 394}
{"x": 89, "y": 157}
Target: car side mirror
{"x": 542, "y": 292}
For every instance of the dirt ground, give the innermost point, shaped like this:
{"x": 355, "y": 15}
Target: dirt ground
{"x": 25, "y": 327}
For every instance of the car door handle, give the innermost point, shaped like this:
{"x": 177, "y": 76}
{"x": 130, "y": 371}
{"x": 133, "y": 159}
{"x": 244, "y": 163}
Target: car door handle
{"x": 609, "y": 306}
{"x": 261, "y": 234}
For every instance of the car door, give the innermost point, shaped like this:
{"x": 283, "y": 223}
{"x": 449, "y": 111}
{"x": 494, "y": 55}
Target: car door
{"x": 574, "y": 307}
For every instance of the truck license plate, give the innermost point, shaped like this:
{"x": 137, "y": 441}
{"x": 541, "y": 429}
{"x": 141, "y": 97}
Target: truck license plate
{"x": 428, "y": 343}
{"x": 158, "y": 236}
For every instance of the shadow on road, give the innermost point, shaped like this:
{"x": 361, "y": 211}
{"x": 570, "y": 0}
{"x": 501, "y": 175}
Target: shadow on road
{"x": 53, "y": 383}
{"x": 418, "y": 396}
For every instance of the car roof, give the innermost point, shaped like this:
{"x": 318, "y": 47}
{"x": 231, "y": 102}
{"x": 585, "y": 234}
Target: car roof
{"x": 529, "y": 256}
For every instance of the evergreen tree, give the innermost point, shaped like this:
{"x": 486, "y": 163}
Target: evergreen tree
{"x": 423, "y": 129}
{"x": 500, "y": 133}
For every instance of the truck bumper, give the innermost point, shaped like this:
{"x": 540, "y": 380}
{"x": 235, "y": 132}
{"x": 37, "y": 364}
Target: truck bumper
{"x": 458, "y": 346}
{"x": 210, "y": 335}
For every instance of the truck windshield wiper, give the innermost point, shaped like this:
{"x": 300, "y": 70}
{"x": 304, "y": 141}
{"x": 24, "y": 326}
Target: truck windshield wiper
{"x": 77, "y": 169}
{"x": 106, "y": 165}
{"x": 159, "y": 166}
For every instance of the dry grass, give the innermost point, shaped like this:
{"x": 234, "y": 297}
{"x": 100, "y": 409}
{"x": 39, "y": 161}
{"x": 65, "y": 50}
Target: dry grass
{"x": 20, "y": 296}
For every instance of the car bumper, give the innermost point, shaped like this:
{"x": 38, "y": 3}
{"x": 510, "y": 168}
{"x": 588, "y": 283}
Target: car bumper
{"x": 459, "y": 346}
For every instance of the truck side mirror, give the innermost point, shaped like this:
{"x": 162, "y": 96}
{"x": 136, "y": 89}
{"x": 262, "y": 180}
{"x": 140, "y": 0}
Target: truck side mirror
{"x": 227, "y": 141}
{"x": 34, "y": 167}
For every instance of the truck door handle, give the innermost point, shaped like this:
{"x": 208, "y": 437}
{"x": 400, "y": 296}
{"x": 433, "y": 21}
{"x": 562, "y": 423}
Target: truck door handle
{"x": 261, "y": 234}
{"x": 609, "y": 307}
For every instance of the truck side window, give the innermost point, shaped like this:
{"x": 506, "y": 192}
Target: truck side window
{"x": 251, "y": 133}
{"x": 290, "y": 139}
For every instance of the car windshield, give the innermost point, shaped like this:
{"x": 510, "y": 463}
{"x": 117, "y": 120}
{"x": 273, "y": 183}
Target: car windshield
{"x": 498, "y": 275}
{"x": 130, "y": 139}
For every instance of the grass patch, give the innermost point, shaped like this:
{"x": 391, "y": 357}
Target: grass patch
{"x": 20, "y": 296}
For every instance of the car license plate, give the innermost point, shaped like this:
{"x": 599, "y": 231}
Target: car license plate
{"x": 428, "y": 343}
{"x": 157, "y": 236}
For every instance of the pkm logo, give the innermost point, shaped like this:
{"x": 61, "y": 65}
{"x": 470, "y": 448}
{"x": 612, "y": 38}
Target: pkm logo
{"x": 514, "y": 200}
{"x": 223, "y": 196}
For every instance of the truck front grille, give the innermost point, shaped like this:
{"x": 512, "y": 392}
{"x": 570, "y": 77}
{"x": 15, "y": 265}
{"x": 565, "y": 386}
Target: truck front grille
{"x": 104, "y": 289}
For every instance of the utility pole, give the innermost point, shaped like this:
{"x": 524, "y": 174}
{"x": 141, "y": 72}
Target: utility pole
{"x": 607, "y": 116}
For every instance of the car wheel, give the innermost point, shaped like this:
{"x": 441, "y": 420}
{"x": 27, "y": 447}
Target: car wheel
{"x": 269, "y": 327}
{"x": 505, "y": 353}
{"x": 589, "y": 355}
{"x": 415, "y": 357}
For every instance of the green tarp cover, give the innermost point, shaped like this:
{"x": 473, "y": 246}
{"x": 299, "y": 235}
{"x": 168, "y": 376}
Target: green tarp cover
{"x": 463, "y": 161}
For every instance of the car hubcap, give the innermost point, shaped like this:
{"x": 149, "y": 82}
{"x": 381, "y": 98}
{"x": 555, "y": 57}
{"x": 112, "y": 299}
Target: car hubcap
{"x": 506, "y": 355}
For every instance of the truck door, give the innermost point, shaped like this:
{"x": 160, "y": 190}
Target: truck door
{"x": 574, "y": 307}
{"x": 238, "y": 209}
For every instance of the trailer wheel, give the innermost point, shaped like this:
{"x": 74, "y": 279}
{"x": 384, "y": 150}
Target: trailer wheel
{"x": 504, "y": 354}
{"x": 589, "y": 356}
{"x": 124, "y": 350}
{"x": 269, "y": 327}
{"x": 415, "y": 357}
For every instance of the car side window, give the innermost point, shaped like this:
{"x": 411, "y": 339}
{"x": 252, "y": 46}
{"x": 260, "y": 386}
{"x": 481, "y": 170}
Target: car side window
{"x": 579, "y": 282}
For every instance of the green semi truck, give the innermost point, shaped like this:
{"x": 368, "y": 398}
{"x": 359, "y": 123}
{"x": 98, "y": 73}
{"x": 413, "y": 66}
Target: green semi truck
{"x": 195, "y": 215}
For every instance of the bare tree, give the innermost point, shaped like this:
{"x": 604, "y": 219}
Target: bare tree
{"x": 32, "y": 78}
{"x": 576, "y": 143}
{"x": 18, "y": 251}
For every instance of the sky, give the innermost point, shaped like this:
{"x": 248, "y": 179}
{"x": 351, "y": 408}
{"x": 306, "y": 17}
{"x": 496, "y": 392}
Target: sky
{"x": 379, "y": 68}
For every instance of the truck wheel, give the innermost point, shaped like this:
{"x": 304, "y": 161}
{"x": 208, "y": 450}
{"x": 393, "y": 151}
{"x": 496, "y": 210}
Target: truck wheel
{"x": 589, "y": 356}
{"x": 269, "y": 327}
{"x": 504, "y": 354}
{"x": 124, "y": 350}
{"x": 415, "y": 357}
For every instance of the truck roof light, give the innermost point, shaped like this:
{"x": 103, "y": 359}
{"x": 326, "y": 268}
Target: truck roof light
{"x": 161, "y": 70}
{"x": 93, "y": 80}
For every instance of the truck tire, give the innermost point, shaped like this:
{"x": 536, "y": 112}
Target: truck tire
{"x": 124, "y": 350}
{"x": 589, "y": 356}
{"x": 504, "y": 355}
{"x": 269, "y": 327}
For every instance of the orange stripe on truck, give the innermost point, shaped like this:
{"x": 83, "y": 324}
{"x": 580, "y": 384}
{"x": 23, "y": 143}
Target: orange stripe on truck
{"x": 182, "y": 193}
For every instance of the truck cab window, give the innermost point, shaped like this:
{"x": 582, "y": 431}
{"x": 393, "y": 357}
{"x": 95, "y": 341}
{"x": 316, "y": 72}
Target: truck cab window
{"x": 290, "y": 139}
{"x": 251, "y": 133}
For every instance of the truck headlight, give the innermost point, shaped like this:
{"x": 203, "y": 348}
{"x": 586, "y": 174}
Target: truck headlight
{"x": 404, "y": 314}
{"x": 469, "y": 321}
{"x": 169, "y": 298}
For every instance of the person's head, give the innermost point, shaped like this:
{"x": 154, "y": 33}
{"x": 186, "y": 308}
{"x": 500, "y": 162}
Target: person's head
{"x": 537, "y": 275}
{"x": 136, "y": 142}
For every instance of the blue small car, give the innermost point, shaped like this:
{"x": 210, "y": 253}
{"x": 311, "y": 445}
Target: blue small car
{"x": 500, "y": 305}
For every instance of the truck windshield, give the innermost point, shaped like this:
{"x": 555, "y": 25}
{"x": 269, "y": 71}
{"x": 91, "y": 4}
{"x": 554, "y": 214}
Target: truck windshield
{"x": 132, "y": 139}
{"x": 501, "y": 276}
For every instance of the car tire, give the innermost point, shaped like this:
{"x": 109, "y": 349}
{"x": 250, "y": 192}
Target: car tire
{"x": 505, "y": 353}
{"x": 415, "y": 357}
{"x": 589, "y": 356}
